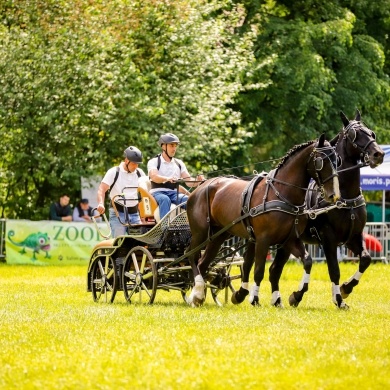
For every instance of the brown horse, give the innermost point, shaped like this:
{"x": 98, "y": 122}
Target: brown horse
{"x": 355, "y": 146}
{"x": 268, "y": 211}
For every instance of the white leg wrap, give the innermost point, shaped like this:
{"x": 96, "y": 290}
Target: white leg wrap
{"x": 245, "y": 285}
{"x": 199, "y": 288}
{"x": 254, "y": 292}
{"x": 199, "y": 279}
{"x": 275, "y": 296}
{"x": 197, "y": 291}
{"x": 335, "y": 291}
{"x": 357, "y": 276}
{"x": 305, "y": 279}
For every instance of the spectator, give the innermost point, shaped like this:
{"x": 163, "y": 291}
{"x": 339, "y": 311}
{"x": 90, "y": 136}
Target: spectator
{"x": 164, "y": 170}
{"x": 118, "y": 180}
{"x": 61, "y": 211}
{"x": 83, "y": 212}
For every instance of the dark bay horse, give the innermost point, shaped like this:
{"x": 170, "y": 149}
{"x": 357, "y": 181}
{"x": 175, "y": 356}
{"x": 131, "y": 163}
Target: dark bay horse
{"x": 355, "y": 145}
{"x": 267, "y": 212}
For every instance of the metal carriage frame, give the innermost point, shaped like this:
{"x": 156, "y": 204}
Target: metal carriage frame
{"x": 156, "y": 258}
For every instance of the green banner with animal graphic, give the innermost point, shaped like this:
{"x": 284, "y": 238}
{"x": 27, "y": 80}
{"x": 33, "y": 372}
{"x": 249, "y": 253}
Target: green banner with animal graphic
{"x": 49, "y": 242}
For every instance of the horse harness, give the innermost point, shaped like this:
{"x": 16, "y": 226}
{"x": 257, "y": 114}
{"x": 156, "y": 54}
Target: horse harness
{"x": 349, "y": 133}
{"x": 349, "y": 204}
{"x": 282, "y": 205}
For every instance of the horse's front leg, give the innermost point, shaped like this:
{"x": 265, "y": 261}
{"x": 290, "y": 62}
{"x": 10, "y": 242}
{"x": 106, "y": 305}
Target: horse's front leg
{"x": 296, "y": 297}
{"x": 275, "y": 272}
{"x": 197, "y": 296}
{"x": 330, "y": 250}
{"x": 356, "y": 246}
{"x": 249, "y": 257}
{"x": 261, "y": 251}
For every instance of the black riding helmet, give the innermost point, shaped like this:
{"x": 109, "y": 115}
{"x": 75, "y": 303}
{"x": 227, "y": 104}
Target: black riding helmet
{"x": 133, "y": 154}
{"x": 168, "y": 138}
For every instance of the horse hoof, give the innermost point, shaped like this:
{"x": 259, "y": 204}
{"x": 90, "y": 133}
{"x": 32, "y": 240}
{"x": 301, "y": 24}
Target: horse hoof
{"x": 254, "y": 300}
{"x": 195, "y": 299}
{"x": 197, "y": 302}
{"x": 343, "y": 293}
{"x": 278, "y": 303}
{"x": 235, "y": 299}
{"x": 346, "y": 288}
{"x": 342, "y": 306}
{"x": 340, "y": 303}
{"x": 239, "y": 296}
{"x": 293, "y": 301}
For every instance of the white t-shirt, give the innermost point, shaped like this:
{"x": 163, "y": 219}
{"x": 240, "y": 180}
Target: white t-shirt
{"x": 126, "y": 183}
{"x": 168, "y": 169}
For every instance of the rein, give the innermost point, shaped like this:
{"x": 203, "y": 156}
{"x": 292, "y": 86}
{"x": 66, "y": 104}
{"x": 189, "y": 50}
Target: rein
{"x": 359, "y": 165}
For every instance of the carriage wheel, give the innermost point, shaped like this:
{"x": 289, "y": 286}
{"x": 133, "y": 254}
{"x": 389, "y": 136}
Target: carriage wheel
{"x": 104, "y": 279}
{"x": 229, "y": 279}
{"x": 139, "y": 277}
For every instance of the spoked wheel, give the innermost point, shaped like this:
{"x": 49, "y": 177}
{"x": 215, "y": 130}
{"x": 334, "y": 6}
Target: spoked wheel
{"x": 104, "y": 279}
{"x": 228, "y": 279}
{"x": 139, "y": 277}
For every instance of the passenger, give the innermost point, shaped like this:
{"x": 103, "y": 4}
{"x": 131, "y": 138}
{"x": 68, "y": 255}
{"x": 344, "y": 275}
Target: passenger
{"x": 116, "y": 180}
{"x": 83, "y": 212}
{"x": 61, "y": 211}
{"x": 164, "y": 170}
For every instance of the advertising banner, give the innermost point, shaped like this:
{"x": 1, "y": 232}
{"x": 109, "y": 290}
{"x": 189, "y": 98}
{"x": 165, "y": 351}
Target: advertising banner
{"x": 49, "y": 242}
{"x": 374, "y": 179}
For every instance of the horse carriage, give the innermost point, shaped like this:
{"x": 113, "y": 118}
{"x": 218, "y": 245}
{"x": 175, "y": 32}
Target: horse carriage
{"x": 277, "y": 210}
{"x": 153, "y": 256}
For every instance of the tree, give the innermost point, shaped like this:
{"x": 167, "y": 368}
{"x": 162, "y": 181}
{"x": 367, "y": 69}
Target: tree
{"x": 313, "y": 59}
{"x": 84, "y": 80}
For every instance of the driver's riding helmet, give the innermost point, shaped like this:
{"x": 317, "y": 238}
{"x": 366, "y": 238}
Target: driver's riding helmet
{"x": 168, "y": 138}
{"x": 133, "y": 154}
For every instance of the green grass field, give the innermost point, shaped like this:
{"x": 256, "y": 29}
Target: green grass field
{"x": 53, "y": 336}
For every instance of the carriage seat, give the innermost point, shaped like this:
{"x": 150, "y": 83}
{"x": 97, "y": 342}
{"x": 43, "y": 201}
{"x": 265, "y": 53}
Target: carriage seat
{"x": 104, "y": 243}
{"x": 148, "y": 206}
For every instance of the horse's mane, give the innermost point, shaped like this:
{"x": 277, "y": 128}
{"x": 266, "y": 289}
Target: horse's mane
{"x": 292, "y": 151}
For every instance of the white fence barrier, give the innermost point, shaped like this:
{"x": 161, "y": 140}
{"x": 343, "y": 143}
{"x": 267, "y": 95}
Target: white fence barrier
{"x": 377, "y": 239}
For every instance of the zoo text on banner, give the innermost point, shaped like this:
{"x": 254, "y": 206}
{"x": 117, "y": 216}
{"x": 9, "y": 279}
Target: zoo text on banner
{"x": 49, "y": 242}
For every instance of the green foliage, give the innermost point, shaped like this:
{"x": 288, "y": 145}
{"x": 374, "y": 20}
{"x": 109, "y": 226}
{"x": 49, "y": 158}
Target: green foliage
{"x": 83, "y": 81}
{"x": 240, "y": 82}
{"x": 313, "y": 60}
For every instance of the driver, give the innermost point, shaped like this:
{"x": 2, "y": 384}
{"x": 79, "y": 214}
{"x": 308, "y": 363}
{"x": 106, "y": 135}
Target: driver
{"x": 164, "y": 170}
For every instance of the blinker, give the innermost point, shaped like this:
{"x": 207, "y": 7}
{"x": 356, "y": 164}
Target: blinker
{"x": 318, "y": 164}
{"x": 352, "y": 134}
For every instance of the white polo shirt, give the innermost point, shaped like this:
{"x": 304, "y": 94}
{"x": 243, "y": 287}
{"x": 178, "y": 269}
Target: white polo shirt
{"x": 125, "y": 179}
{"x": 168, "y": 169}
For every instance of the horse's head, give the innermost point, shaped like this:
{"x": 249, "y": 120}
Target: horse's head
{"x": 361, "y": 141}
{"x": 322, "y": 167}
